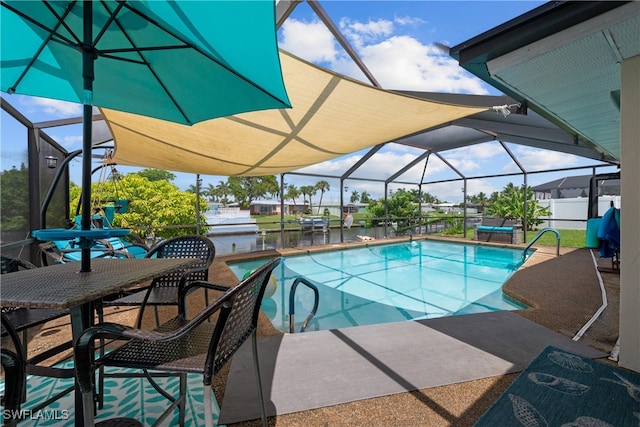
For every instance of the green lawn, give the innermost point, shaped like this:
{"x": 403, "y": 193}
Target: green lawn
{"x": 272, "y": 222}
{"x": 568, "y": 238}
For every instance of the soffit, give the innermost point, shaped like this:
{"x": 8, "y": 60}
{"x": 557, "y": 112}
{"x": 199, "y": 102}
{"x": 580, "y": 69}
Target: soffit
{"x": 569, "y": 75}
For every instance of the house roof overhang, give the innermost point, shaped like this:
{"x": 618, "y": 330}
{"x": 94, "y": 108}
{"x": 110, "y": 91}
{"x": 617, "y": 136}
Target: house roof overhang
{"x": 562, "y": 60}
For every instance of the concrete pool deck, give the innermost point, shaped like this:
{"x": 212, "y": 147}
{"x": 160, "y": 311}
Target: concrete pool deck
{"x": 333, "y": 367}
{"x": 563, "y": 294}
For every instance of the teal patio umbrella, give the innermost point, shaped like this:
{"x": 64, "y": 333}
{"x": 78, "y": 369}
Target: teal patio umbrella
{"x": 179, "y": 61}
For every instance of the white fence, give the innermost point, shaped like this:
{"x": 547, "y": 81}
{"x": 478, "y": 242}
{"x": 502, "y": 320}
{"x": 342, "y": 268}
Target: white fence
{"x": 572, "y": 213}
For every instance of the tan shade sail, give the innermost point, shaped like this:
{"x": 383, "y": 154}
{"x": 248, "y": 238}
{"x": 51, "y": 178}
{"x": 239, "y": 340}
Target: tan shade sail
{"x": 331, "y": 116}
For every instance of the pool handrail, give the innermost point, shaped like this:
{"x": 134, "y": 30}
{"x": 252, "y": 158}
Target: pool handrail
{"x": 540, "y": 233}
{"x": 292, "y": 308}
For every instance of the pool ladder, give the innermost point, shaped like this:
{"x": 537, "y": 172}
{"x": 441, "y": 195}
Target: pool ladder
{"x": 292, "y": 308}
{"x": 535, "y": 239}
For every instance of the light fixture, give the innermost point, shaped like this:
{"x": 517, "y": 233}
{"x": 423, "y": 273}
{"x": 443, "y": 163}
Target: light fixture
{"x": 504, "y": 109}
{"x": 51, "y": 161}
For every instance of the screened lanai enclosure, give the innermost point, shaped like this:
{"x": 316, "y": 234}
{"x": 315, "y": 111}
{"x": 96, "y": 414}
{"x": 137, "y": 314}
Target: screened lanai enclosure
{"x": 45, "y": 161}
{"x": 339, "y": 128}
{"x": 303, "y": 142}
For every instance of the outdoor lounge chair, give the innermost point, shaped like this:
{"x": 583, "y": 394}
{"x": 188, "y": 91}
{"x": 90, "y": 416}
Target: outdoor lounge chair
{"x": 182, "y": 345}
{"x": 63, "y": 251}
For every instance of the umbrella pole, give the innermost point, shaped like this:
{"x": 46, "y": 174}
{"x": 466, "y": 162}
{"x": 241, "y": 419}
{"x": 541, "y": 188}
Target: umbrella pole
{"x": 87, "y": 123}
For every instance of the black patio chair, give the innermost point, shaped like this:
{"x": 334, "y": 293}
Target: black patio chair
{"x": 18, "y": 366}
{"x": 22, "y": 319}
{"x": 182, "y": 345}
{"x": 14, "y": 377}
{"x": 164, "y": 290}
{"x": 19, "y": 320}
{"x": 15, "y": 371}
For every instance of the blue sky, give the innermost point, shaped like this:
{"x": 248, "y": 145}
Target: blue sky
{"x": 396, "y": 40}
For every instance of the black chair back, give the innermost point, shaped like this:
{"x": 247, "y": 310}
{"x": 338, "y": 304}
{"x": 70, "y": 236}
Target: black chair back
{"x": 242, "y": 320}
{"x": 190, "y": 246}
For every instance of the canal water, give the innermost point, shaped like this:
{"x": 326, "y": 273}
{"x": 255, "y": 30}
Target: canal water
{"x": 250, "y": 242}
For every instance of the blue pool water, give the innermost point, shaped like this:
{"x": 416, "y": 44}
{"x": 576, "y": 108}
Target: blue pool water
{"x": 390, "y": 283}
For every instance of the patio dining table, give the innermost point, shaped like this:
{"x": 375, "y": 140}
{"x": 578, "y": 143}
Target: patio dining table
{"x": 64, "y": 286}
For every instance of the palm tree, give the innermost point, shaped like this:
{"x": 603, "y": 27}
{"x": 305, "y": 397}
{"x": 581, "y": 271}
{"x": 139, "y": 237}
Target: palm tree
{"x": 211, "y": 193}
{"x": 354, "y": 196}
{"x": 223, "y": 189}
{"x": 292, "y": 193}
{"x": 321, "y": 186}
{"x": 481, "y": 199}
{"x": 365, "y": 197}
{"x": 308, "y": 190}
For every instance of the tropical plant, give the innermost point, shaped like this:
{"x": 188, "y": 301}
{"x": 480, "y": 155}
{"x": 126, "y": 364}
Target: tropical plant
{"x": 246, "y": 189}
{"x": 420, "y": 197}
{"x": 292, "y": 193}
{"x": 354, "y": 196}
{"x": 152, "y": 205}
{"x": 478, "y": 199}
{"x": 223, "y": 190}
{"x": 321, "y": 186}
{"x": 510, "y": 204}
{"x": 308, "y": 190}
{"x": 399, "y": 205}
{"x": 14, "y": 202}
{"x": 210, "y": 193}
{"x": 156, "y": 175}
{"x": 365, "y": 197}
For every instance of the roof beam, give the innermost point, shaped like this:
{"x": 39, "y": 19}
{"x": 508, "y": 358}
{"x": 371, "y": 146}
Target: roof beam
{"x": 544, "y": 134}
{"x": 577, "y": 150}
{"x": 284, "y": 9}
{"x": 408, "y": 166}
{"x": 324, "y": 17}
{"x": 362, "y": 161}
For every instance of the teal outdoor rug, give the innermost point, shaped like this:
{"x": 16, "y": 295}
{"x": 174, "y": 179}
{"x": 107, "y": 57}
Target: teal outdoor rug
{"x": 562, "y": 389}
{"x": 124, "y": 397}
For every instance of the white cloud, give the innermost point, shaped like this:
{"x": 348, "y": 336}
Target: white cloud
{"x": 476, "y": 186}
{"x": 469, "y": 160}
{"x": 409, "y": 21}
{"x": 71, "y": 142}
{"x": 396, "y": 61}
{"x": 402, "y": 62}
{"x": 360, "y": 33}
{"x": 52, "y": 106}
{"x": 309, "y": 40}
{"x": 332, "y": 167}
{"x": 534, "y": 159}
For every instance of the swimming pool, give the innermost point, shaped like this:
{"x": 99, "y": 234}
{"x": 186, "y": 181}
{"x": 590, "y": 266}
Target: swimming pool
{"x": 390, "y": 283}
